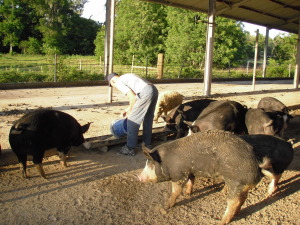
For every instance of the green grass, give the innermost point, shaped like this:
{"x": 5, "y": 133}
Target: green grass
{"x": 40, "y": 68}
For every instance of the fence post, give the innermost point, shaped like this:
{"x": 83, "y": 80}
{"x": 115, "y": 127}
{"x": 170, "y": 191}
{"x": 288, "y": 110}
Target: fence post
{"x": 160, "y": 66}
{"x": 55, "y": 67}
{"x": 132, "y": 62}
{"x": 80, "y": 65}
{"x": 146, "y": 67}
{"x": 255, "y": 60}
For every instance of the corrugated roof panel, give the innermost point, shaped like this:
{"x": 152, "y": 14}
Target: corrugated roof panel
{"x": 280, "y": 14}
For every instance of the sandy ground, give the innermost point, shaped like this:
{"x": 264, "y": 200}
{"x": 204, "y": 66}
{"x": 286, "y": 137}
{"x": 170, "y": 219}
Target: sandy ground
{"x": 102, "y": 188}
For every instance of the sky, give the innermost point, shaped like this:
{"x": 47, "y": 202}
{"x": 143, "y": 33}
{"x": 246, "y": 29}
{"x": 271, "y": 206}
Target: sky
{"x": 95, "y": 10}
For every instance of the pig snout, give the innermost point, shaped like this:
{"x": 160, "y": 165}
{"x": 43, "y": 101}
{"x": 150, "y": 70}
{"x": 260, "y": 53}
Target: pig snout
{"x": 148, "y": 174}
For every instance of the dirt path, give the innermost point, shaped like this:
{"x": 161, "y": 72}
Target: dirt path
{"x": 102, "y": 188}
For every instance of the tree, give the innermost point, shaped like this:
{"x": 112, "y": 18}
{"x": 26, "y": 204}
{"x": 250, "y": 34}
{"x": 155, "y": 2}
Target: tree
{"x": 285, "y": 48}
{"x": 139, "y": 31}
{"x": 185, "y": 43}
{"x": 11, "y": 26}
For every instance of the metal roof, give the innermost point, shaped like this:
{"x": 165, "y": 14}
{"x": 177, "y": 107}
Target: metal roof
{"x": 278, "y": 14}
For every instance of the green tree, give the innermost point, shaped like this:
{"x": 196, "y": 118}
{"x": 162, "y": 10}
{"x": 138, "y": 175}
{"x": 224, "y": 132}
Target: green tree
{"x": 285, "y": 48}
{"x": 11, "y": 25}
{"x": 185, "y": 43}
{"x": 139, "y": 31}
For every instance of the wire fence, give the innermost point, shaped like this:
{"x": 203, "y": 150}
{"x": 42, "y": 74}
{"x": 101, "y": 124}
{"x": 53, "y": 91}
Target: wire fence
{"x": 62, "y": 68}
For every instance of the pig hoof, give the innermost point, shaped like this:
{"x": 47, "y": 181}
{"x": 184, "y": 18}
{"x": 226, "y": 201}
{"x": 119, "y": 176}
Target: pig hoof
{"x": 163, "y": 211}
{"x": 64, "y": 164}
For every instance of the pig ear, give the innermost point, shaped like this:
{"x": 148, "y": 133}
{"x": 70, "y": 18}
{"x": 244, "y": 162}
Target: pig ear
{"x": 151, "y": 155}
{"x": 164, "y": 117}
{"x": 190, "y": 124}
{"x": 85, "y": 127}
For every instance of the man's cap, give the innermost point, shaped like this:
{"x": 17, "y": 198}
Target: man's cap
{"x": 109, "y": 76}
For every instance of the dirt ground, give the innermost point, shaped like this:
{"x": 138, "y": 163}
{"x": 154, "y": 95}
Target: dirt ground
{"x": 102, "y": 188}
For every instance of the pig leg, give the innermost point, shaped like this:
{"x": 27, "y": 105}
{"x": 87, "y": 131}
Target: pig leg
{"x": 62, "y": 157}
{"x": 234, "y": 203}
{"x": 176, "y": 191}
{"x": 40, "y": 169}
{"x": 23, "y": 164}
{"x": 273, "y": 186}
{"x": 189, "y": 185}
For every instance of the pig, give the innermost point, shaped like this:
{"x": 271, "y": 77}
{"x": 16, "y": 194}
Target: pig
{"x": 210, "y": 153}
{"x": 269, "y": 104}
{"x": 221, "y": 115}
{"x": 167, "y": 101}
{"x": 260, "y": 122}
{"x": 188, "y": 111}
{"x": 279, "y": 152}
{"x": 41, "y": 130}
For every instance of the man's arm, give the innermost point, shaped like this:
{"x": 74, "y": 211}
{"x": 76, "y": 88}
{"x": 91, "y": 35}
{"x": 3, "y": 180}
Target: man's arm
{"x": 132, "y": 98}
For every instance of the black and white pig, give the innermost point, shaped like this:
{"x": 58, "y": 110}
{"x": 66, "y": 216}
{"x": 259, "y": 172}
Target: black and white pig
{"x": 41, "y": 130}
{"x": 221, "y": 115}
{"x": 260, "y": 122}
{"x": 270, "y": 104}
{"x": 277, "y": 151}
{"x": 211, "y": 153}
{"x": 188, "y": 111}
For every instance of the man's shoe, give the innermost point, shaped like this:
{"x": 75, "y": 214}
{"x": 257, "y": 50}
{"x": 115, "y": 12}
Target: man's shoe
{"x": 125, "y": 150}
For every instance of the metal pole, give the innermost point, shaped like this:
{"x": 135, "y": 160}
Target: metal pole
{"x": 107, "y": 38}
{"x": 255, "y": 60}
{"x": 209, "y": 47}
{"x": 265, "y": 53}
{"x": 297, "y": 68}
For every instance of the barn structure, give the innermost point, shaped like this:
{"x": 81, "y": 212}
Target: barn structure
{"x": 273, "y": 14}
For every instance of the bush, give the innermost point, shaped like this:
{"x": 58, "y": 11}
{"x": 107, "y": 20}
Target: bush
{"x": 275, "y": 69}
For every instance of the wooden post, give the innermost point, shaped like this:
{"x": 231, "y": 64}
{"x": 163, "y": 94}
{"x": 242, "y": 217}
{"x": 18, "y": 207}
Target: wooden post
{"x": 209, "y": 47}
{"x": 160, "y": 66}
{"x": 255, "y": 60}
{"x": 132, "y": 63}
{"x": 55, "y": 67}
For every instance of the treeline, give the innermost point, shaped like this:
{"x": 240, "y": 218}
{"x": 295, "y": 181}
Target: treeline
{"x": 46, "y": 27}
{"x": 146, "y": 29}
{"x": 142, "y": 30}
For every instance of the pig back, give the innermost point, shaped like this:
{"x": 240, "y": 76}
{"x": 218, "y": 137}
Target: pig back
{"x": 212, "y": 153}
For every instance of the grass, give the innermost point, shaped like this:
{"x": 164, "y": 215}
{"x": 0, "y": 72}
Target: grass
{"x": 40, "y": 68}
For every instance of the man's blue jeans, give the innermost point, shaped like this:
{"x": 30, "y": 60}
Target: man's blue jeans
{"x": 143, "y": 111}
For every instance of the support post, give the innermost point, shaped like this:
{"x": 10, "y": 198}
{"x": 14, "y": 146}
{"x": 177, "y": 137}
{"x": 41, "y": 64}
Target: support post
{"x": 109, "y": 42}
{"x": 255, "y": 60}
{"x": 160, "y": 66}
{"x": 297, "y": 68}
{"x": 265, "y": 53}
{"x": 209, "y": 48}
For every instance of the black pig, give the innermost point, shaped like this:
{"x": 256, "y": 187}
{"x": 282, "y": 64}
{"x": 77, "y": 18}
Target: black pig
{"x": 269, "y": 104}
{"x": 221, "y": 115}
{"x": 210, "y": 153}
{"x": 41, "y": 130}
{"x": 188, "y": 111}
{"x": 279, "y": 152}
{"x": 260, "y": 122}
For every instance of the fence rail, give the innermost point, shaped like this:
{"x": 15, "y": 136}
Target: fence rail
{"x": 67, "y": 69}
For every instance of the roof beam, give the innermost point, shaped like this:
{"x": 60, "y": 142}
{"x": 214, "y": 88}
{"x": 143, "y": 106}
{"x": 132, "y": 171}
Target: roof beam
{"x": 168, "y": 3}
{"x": 297, "y": 8}
{"x": 292, "y": 19}
{"x": 229, "y": 6}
